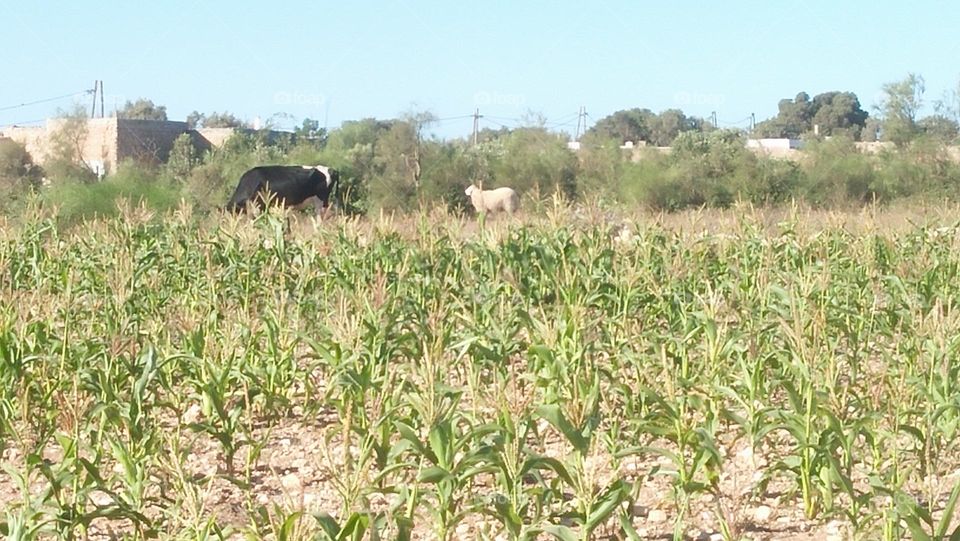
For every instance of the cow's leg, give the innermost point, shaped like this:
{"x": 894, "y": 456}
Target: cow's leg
{"x": 313, "y": 201}
{"x": 318, "y": 208}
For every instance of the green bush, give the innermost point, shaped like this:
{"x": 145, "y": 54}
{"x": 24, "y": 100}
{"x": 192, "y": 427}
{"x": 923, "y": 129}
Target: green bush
{"x": 712, "y": 169}
{"x": 534, "y": 161}
{"x": 132, "y": 182}
{"x": 836, "y": 174}
{"x": 19, "y": 177}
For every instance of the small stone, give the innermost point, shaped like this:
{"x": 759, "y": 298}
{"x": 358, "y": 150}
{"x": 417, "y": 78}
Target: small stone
{"x": 762, "y": 513}
{"x": 657, "y": 515}
{"x": 192, "y": 415}
{"x": 716, "y": 537}
{"x": 284, "y": 442}
{"x": 291, "y": 481}
{"x": 100, "y": 498}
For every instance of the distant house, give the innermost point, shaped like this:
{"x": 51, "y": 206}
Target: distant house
{"x": 109, "y": 141}
{"x": 778, "y": 147}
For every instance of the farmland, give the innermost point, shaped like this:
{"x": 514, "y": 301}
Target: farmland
{"x": 763, "y": 374}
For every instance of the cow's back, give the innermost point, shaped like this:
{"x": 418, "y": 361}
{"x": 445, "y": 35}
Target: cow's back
{"x": 290, "y": 185}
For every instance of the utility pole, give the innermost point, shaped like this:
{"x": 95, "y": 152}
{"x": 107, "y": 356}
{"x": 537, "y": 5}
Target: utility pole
{"x": 93, "y": 106}
{"x": 581, "y": 121}
{"x": 97, "y": 87}
{"x": 476, "y": 125}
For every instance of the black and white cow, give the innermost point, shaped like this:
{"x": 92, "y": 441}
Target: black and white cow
{"x": 288, "y": 185}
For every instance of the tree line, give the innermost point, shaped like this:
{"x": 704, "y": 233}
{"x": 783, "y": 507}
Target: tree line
{"x": 398, "y": 164}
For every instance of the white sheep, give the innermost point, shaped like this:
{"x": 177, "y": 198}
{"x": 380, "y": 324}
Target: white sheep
{"x": 498, "y": 199}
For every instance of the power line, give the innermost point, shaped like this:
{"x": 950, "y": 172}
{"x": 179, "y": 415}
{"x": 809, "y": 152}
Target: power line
{"x": 21, "y": 122}
{"x": 461, "y": 117}
{"x": 45, "y": 100}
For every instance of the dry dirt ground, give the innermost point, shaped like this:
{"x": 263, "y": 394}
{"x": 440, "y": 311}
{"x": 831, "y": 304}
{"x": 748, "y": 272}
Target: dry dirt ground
{"x": 296, "y": 467}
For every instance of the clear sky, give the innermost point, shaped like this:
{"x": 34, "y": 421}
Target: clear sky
{"x": 336, "y": 61}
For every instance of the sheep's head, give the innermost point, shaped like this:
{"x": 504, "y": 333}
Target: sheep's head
{"x": 469, "y": 190}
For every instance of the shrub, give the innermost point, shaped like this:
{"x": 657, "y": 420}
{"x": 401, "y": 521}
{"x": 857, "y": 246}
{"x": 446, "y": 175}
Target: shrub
{"x": 132, "y": 182}
{"x": 18, "y": 174}
{"x": 836, "y": 174}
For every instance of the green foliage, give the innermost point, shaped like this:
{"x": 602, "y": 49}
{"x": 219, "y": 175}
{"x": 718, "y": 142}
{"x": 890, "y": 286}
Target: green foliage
{"x": 527, "y": 381}
{"x": 834, "y": 113}
{"x": 15, "y": 161}
{"x": 19, "y": 176}
{"x": 644, "y": 125}
{"x": 142, "y": 109}
{"x": 183, "y": 158}
{"x": 64, "y": 161}
{"x": 836, "y": 174}
{"x": 395, "y": 166}
{"x": 600, "y": 168}
{"x": 310, "y": 130}
{"x": 131, "y": 184}
{"x": 899, "y": 108}
{"x": 534, "y": 161}
{"x": 194, "y": 120}
{"x": 939, "y": 128}
{"x": 712, "y": 169}
{"x": 217, "y": 120}
{"x": 625, "y": 125}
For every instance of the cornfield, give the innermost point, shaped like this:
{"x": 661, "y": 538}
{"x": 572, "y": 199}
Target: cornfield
{"x": 183, "y": 377}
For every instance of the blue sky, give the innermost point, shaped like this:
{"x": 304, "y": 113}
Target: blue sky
{"x": 336, "y": 61}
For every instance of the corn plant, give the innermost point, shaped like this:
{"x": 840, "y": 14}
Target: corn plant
{"x": 452, "y": 455}
{"x": 223, "y": 412}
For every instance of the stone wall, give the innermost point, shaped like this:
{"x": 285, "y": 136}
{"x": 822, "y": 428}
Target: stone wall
{"x": 108, "y": 141}
{"x": 147, "y": 140}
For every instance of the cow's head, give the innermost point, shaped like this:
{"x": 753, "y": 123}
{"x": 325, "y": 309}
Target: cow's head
{"x": 332, "y": 177}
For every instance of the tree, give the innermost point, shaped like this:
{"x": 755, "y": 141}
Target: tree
{"x": 836, "y": 112}
{"x": 939, "y": 127}
{"x": 15, "y": 161}
{"x": 901, "y": 103}
{"x": 222, "y": 120}
{"x": 534, "y": 160}
{"x": 65, "y": 159}
{"x": 949, "y": 105}
{"x": 355, "y": 143}
{"x": 183, "y": 157}
{"x": 398, "y": 155}
{"x": 142, "y": 109}
{"x": 793, "y": 119}
{"x": 832, "y": 112}
{"x": 666, "y": 126}
{"x": 310, "y": 129}
{"x": 625, "y": 125}
{"x": 871, "y": 130}
{"x": 18, "y": 174}
{"x": 194, "y": 120}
